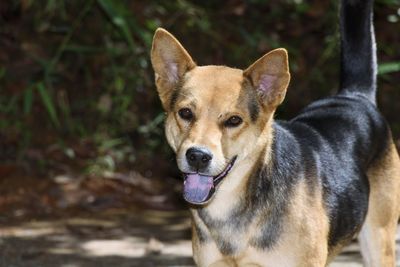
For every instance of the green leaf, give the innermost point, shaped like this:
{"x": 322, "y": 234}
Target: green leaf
{"x": 48, "y": 103}
{"x": 2, "y": 72}
{"x": 116, "y": 16}
{"x": 28, "y": 100}
{"x": 388, "y": 67}
{"x": 108, "y": 144}
{"x": 152, "y": 125}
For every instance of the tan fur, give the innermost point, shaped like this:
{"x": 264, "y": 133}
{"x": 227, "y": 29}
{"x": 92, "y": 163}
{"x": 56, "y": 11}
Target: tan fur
{"x": 308, "y": 225}
{"x": 377, "y": 236}
{"x": 235, "y": 183}
{"x": 203, "y": 254}
{"x": 335, "y": 250}
{"x": 305, "y": 226}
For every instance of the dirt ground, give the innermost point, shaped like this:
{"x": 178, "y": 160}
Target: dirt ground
{"x": 124, "y": 238}
{"x": 93, "y": 222}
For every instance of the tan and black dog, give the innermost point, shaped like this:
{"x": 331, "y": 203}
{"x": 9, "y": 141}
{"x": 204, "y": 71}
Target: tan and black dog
{"x": 282, "y": 194}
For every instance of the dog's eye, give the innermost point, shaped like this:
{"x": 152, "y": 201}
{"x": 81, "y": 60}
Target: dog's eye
{"x": 233, "y": 121}
{"x": 185, "y": 114}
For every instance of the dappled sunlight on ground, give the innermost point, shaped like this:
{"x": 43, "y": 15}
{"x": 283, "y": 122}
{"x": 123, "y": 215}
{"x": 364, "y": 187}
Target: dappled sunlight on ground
{"x": 118, "y": 237}
{"x": 128, "y": 238}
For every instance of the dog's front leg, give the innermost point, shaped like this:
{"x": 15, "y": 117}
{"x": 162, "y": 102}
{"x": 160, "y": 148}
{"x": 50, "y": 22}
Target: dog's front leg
{"x": 224, "y": 263}
{"x": 206, "y": 254}
{"x": 231, "y": 263}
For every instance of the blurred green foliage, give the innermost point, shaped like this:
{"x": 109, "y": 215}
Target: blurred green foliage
{"x": 74, "y": 69}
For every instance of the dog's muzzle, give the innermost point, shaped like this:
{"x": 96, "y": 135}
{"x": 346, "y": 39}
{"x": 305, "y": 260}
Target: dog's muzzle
{"x": 198, "y": 188}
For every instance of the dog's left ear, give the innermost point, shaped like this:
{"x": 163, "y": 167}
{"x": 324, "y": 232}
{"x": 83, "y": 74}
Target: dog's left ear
{"x": 270, "y": 77}
{"x": 170, "y": 63}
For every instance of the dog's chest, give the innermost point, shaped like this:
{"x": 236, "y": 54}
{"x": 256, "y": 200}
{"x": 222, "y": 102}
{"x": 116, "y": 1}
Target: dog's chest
{"x": 237, "y": 232}
{"x": 230, "y": 235}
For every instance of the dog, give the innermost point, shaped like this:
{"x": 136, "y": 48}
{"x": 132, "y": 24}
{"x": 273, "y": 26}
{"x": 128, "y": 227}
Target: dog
{"x": 264, "y": 192}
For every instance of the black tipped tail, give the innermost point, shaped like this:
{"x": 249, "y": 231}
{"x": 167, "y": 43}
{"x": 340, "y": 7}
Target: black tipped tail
{"x": 358, "y": 49}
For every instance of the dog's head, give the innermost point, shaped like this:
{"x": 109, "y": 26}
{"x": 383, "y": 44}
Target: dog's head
{"x": 216, "y": 116}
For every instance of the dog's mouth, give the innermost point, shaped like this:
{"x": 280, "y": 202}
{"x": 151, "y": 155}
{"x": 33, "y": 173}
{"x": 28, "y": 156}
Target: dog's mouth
{"x": 198, "y": 188}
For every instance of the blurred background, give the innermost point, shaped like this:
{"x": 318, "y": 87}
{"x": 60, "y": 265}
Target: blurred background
{"x": 82, "y": 150}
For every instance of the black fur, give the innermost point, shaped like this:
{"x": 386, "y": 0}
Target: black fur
{"x": 249, "y": 96}
{"x": 270, "y": 187}
{"x": 344, "y": 135}
{"x": 358, "y": 66}
{"x": 236, "y": 222}
{"x": 254, "y": 109}
{"x": 201, "y": 234}
{"x": 175, "y": 94}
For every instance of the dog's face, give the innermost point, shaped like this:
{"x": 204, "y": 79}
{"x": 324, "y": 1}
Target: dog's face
{"x": 215, "y": 114}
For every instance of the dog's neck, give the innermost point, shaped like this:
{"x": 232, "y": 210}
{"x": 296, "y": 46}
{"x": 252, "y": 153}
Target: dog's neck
{"x": 236, "y": 183}
{"x": 258, "y": 188}
{"x": 269, "y": 169}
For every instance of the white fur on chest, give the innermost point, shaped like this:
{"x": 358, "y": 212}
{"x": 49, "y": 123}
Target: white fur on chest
{"x": 283, "y": 254}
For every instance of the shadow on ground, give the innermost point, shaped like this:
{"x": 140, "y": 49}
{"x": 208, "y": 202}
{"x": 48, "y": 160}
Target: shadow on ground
{"x": 119, "y": 237}
{"x": 124, "y": 238}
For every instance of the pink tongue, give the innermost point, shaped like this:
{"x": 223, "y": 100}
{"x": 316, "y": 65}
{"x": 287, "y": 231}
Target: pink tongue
{"x": 197, "y": 188}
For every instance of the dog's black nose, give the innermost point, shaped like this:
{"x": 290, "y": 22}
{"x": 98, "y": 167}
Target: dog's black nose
{"x": 198, "y": 158}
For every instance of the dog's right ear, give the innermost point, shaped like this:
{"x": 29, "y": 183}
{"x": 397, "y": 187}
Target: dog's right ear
{"x": 170, "y": 63}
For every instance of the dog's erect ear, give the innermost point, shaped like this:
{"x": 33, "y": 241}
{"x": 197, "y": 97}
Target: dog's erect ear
{"x": 170, "y": 63}
{"x": 270, "y": 77}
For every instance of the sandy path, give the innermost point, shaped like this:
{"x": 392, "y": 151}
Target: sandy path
{"x": 114, "y": 238}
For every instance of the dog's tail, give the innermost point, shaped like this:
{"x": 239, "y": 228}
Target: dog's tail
{"x": 358, "y": 49}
